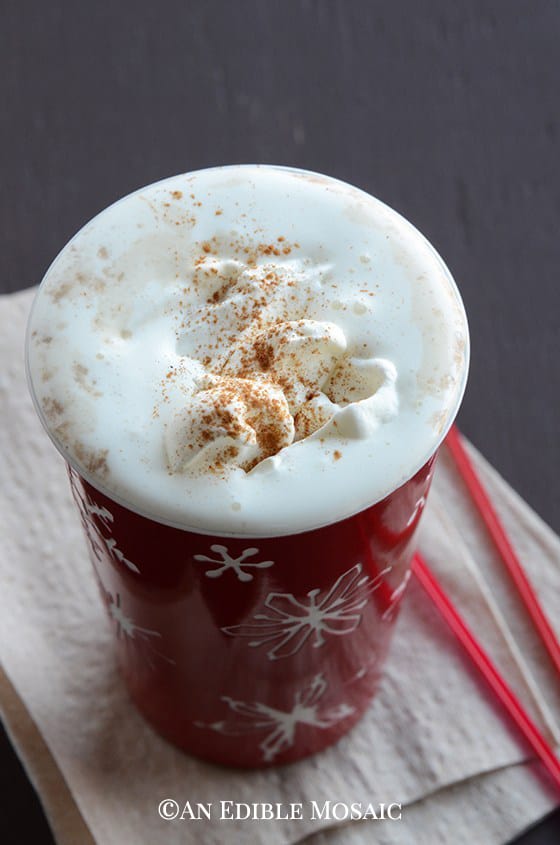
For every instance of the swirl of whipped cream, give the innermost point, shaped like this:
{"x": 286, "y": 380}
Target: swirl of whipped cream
{"x": 297, "y": 355}
{"x": 263, "y": 397}
{"x": 229, "y": 421}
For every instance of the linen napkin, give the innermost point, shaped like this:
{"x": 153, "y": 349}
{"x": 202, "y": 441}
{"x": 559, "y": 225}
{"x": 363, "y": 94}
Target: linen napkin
{"x": 433, "y": 740}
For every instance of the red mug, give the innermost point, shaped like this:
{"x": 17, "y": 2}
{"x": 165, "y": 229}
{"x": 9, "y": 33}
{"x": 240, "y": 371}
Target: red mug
{"x": 245, "y": 651}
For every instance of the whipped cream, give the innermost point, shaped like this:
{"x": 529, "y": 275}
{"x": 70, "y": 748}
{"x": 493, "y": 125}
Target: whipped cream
{"x": 247, "y": 350}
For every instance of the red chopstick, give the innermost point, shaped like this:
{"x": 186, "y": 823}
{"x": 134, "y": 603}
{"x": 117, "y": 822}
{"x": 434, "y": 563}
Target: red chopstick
{"x": 498, "y": 534}
{"x": 482, "y": 661}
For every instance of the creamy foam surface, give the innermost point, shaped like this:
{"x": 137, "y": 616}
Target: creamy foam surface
{"x": 248, "y": 350}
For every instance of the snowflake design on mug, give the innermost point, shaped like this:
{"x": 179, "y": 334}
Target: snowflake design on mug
{"x": 98, "y": 542}
{"x": 280, "y": 724}
{"x": 417, "y": 511}
{"x": 116, "y": 552}
{"x": 103, "y": 513}
{"x": 139, "y": 638}
{"x": 288, "y": 623}
{"x": 238, "y": 564}
{"x": 396, "y": 597}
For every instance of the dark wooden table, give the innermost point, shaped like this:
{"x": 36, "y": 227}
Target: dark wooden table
{"x": 450, "y": 115}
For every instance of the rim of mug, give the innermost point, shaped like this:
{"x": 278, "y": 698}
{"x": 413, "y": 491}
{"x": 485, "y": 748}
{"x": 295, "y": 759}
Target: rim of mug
{"x": 105, "y": 490}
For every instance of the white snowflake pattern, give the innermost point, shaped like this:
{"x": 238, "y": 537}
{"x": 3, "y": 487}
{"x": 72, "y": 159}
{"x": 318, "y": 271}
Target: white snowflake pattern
{"x": 417, "y": 511}
{"x": 116, "y": 552}
{"x": 238, "y": 564}
{"x": 366, "y": 668}
{"x": 103, "y": 513}
{"x": 396, "y": 597}
{"x": 289, "y": 623}
{"x": 280, "y": 724}
{"x": 361, "y": 673}
{"x": 98, "y": 542}
{"x": 135, "y": 635}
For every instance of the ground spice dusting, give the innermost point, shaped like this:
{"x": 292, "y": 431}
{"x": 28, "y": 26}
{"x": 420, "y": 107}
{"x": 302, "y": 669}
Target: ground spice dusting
{"x": 94, "y": 461}
{"x": 265, "y": 364}
{"x": 52, "y": 408}
{"x": 237, "y": 407}
{"x": 264, "y": 353}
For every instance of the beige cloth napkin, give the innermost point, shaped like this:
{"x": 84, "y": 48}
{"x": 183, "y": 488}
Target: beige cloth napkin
{"x": 434, "y": 739}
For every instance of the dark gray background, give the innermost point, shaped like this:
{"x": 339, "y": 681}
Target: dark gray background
{"x": 448, "y": 112}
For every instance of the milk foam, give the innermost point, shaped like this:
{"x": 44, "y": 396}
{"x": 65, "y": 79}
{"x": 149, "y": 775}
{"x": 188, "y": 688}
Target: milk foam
{"x": 247, "y": 350}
